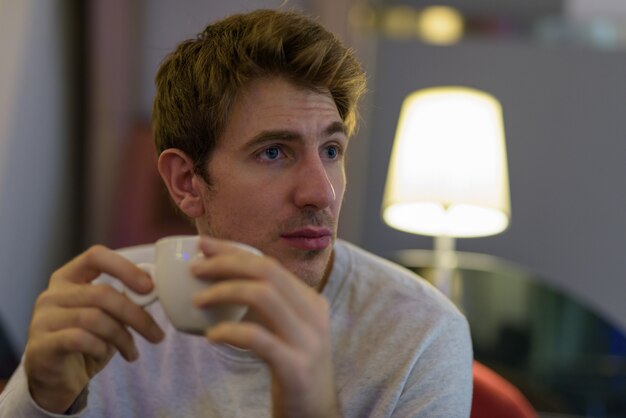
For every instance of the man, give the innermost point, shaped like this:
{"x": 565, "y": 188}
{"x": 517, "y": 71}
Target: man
{"x": 252, "y": 121}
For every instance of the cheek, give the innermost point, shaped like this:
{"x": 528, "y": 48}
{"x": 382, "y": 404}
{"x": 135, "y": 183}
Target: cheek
{"x": 338, "y": 181}
{"x": 239, "y": 214}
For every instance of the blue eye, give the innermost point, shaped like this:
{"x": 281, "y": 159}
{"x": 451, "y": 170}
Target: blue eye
{"x": 271, "y": 153}
{"x": 332, "y": 152}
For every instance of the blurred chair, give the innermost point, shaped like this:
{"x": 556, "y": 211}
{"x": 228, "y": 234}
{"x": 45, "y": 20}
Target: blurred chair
{"x": 495, "y": 397}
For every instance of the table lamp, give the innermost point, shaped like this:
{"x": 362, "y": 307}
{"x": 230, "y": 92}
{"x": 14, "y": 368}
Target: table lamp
{"x": 448, "y": 174}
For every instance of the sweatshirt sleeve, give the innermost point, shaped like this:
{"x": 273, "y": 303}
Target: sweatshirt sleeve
{"x": 16, "y": 402}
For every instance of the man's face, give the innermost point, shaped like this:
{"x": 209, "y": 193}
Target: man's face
{"x": 278, "y": 176}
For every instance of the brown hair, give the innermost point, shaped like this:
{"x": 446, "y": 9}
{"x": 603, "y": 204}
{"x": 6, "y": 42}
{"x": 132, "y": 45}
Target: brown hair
{"x": 198, "y": 82}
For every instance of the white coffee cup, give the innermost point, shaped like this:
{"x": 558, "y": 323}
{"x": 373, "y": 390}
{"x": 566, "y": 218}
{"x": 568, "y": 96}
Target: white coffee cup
{"x": 174, "y": 286}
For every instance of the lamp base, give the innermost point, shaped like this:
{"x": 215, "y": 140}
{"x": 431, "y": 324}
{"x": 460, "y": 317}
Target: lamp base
{"x": 445, "y": 263}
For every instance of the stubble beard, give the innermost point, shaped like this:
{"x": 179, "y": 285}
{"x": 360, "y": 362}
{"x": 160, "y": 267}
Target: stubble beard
{"x": 304, "y": 261}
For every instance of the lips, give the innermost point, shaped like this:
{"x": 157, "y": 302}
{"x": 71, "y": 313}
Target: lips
{"x": 311, "y": 239}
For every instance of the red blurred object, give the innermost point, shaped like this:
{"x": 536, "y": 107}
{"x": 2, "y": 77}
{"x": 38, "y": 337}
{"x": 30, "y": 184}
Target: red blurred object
{"x": 495, "y": 397}
{"x": 143, "y": 212}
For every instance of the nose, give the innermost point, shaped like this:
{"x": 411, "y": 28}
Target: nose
{"x": 313, "y": 187}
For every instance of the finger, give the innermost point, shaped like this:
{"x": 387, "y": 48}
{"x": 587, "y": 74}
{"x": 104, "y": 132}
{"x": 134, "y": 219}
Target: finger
{"x": 211, "y": 246}
{"x": 74, "y": 340}
{"x": 274, "y": 312}
{"x": 112, "y": 303}
{"x": 291, "y": 366}
{"x": 254, "y": 337}
{"x": 304, "y": 300}
{"x": 232, "y": 257}
{"x": 92, "y": 320}
{"x": 98, "y": 259}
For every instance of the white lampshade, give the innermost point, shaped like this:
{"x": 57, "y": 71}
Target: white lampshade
{"x": 448, "y": 171}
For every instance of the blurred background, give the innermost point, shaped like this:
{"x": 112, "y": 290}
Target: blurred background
{"x": 77, "y": 166}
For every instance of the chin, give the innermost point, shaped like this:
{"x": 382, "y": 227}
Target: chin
{"x": 311, "y": 267}
{"x": 310, "y": 278}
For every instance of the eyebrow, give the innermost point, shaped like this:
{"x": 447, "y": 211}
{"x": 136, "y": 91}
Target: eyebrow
{"x": 287, "y": 135}
{"x": 336, "y": 127}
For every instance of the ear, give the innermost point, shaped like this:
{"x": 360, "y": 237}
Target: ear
{"x": 183, "y": 184}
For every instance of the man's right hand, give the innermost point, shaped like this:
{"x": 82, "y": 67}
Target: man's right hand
{"x": 77, "y": 327}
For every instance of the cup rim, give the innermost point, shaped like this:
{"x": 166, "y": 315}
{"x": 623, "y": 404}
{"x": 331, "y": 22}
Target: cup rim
{"x": 175, "y": 238}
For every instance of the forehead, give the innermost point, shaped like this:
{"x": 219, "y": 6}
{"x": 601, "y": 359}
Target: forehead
{"x": 275, "y": 103}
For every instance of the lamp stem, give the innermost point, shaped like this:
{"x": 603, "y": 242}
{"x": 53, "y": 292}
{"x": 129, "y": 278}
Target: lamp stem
{"x": 445, "y": 263}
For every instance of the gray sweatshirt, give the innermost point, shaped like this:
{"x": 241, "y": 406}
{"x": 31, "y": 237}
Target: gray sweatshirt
{"x": 400, "y": 349}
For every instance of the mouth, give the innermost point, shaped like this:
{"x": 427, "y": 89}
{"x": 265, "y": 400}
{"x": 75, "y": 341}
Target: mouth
{"x": 310, "y": 239}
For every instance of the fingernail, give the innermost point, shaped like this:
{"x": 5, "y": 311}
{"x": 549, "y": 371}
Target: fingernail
{"x": 145, "y": 282}
{"x": 156, "y": 333}
{"x": 134, "y": 354}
